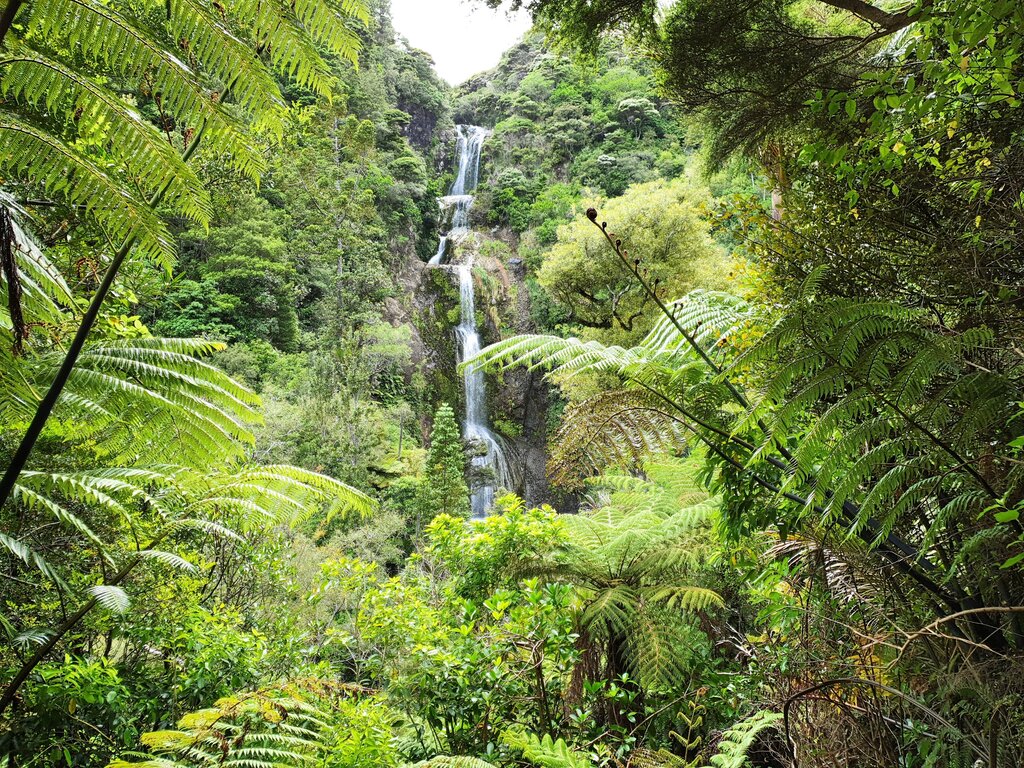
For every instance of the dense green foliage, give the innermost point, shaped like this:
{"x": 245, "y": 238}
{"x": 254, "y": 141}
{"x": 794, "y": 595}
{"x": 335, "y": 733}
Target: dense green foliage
{"x": 765, "y": 256}
{"x": 444, "y": 490}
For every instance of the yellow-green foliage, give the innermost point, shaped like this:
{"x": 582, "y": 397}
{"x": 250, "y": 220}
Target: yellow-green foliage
{"x": 634, "y": 557}
{"x": 662, "y": 226}
{"x": 308, "y": 722}
{"x": 545, "y": 752}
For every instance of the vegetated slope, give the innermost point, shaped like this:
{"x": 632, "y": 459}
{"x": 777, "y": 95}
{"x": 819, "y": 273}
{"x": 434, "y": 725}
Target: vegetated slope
{"x": 302, "y": 274}
{"x": 568, "y": 134}
{"x": 561, "y": 125}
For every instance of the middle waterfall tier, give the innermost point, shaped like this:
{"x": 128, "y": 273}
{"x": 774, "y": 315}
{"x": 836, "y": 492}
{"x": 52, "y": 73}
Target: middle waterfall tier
{"x": 490, "y": 463}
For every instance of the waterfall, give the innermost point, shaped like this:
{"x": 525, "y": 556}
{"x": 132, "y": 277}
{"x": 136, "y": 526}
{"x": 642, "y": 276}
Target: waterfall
{"x": 475, "y": 427}
{"x": 491, "y": 464}
{"x": 459, "y": 198}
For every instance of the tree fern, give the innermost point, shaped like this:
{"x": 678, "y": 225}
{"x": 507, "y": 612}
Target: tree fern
{"x": 68, "y": 131}
{"x": 868, "y": 415}
{"x": 736, "y": 743}
{"x": 618, "y": 429}
{"x": 166, "y": 500}
{"x": 130, "y": 396}
{"x": 263, "y": 729}
{"x": 633, "y": 556}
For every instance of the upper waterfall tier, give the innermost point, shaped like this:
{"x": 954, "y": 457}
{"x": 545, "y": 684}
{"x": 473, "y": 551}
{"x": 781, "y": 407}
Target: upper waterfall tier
{"x": 468, "y": 146}
{"x": 470, "y": 142}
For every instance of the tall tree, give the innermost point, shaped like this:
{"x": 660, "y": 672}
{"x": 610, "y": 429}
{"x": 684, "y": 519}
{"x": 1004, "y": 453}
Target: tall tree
{"x": 444, "y": 488}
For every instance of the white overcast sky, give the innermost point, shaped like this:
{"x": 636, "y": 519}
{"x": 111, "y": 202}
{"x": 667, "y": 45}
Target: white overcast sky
{"x": 463, "y": 37}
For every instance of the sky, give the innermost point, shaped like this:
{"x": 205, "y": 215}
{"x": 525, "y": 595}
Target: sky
{"x": 463, "y": 37}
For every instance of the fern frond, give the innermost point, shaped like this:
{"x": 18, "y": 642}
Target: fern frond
{"x": 444, "y": 761}
{"x": 134, "y": 394}
{"x": 545, "y": 751}
{"x": 114, "y": 599}
{"x": 33, "y": 154}
{"x": 32, "y": 78}
{"x": 617, "y": 429}
{"x": 262, "y": 729}
{"x": 737, "y": 741}
{"x": 45, "y": 294}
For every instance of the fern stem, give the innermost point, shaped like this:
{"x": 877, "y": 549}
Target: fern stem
{"x": 980, "y": 751}
{"x": 897, "y": 560}
{"x": 7, "y": 18}
{"x": 850, "y": 511}
{"x": 737, "y": 395}
{"x": 635, "y": 271}
{"x": 66, "y": 626}
{"x": 46, "y": 405}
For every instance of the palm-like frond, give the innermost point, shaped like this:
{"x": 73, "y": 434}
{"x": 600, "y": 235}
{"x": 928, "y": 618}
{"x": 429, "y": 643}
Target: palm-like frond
{"x": 893, "y": 412}
{"x": 44, "y": 293}
{"x": 40, "y": 81}
{"x": 738, "y": 740}
{"x": 545, "y": 751}
{"x": 34, "y": 154}
{"x": 713, "y": 317}
{"x": 167, "y": 498}
{"x": 69, "y": 131}
{"x": 617, "y": 429}
{"x": 144, "y": 397}
{"x": 263, "y": 729}
{"x": 867, "y": 414}
{"x": 632, "y": 557}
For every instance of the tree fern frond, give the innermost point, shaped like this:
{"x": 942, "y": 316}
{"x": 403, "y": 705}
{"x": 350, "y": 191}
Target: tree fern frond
{"x": 168, "y": 558}
{"x": 711, "y": 318}
{"x": 545, "y": 751}
{"x": 37, "y": 156}
{"x": 686, "y": 597}
{"x": 113, "y": 598}
{"x": 738, "y": 740}
{"x": 246, "y": 730}
{"x": 98, "y": 114}
{"x": 615, "y": 429}
{"x": 658, "y": 649}
{"x": 135, "y": 393}
{"x": 34, "y": 500}
{"x": 45, "y": 293}
{"x": 30, "y": 557}
{"x": 612, "y": 609}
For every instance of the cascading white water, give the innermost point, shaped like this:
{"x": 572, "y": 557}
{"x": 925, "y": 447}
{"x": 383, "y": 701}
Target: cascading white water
{"x": 459, "y": 198}
{"x": 475, "y": 428}
{"x": 493, "y": 468}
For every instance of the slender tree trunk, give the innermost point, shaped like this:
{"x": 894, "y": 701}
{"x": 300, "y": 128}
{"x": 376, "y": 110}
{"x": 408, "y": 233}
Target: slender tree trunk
{"x": 51, "y": 642}
{"x": 7, "y": 17}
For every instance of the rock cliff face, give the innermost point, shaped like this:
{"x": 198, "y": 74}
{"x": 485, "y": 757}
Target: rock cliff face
{"x": 520, "y": 398}
{"x": 517, "y": 400}
{"x": 422, "y": 124}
